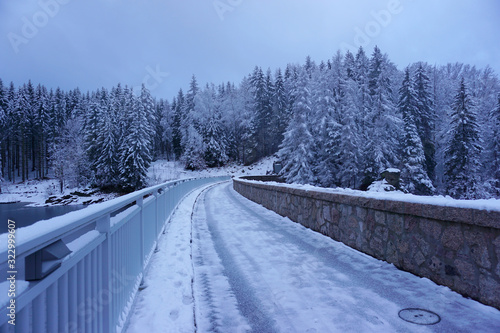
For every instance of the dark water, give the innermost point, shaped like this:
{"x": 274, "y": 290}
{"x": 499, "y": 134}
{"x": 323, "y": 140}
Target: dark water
{"x": 24, "y": 216}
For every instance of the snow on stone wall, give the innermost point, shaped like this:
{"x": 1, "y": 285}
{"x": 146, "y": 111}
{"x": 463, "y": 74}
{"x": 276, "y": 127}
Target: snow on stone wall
{"x": 453, "y": 246}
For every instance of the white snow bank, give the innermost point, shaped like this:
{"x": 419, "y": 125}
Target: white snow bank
{"x": 162, "y": 171}
{"x": 36, "y": 192}
{"x": 438, "y": 200}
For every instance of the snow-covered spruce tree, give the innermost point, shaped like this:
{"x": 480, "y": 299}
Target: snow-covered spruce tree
{"x": 382, "y": 125}
{"x": 105, "y": 162}
{"x": 3, "y": 126}
{"x": 425, "y": 118}
{"x": 67, "y": 154}
{"x": 42, "y": 121}
{"x": 297, "y": 148}
{"x": 194, "y": 149}
{"x": 243, "y": 120}
{"x": 22, "y": 115}
{"x": 165, "y": 131}
{"x": 107, "y": 155}
{"x": 494, "y": 148}
{"x": 462, "y": 164}
{"x": 350, "y": 155}
{"x": 191, "y": 137}
{"x": 324, "y": 122}
{"x": 280, "y": 103}
{"x": 215, "y": 143}
{"x": 91, "y": 130}
{"x": 135, "y": 154}
{"x": 227, "y": 101}
{"x": 414, "y": 176}
{"x": 262, "y": 88}
{"x": 207, "y": 112}
{"x": 178, "y": 111}
{"x": 57, "y": 113}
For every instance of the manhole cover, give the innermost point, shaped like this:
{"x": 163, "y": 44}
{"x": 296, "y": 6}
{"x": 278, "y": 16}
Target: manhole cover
{"x": 419, "y": 316}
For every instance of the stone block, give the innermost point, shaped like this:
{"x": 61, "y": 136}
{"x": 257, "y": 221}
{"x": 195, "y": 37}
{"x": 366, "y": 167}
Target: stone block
{"x": 385, "y": 234}
{"x": 410, "y": 223}
{"x": 403, "y": 246}
{"x": 395, "y": 222}
{"x": 466, "y": 270}
{"x": 452, "y": 237}
{"x": 352, "y": 223}
{"x": 361, "y": 213}
{"x": 413, "y": 209}
{"x": 481, "y": 256}
{"x": 423, "y": 245}
{"x": 377, "y": 247}
{"x": 459, "y": 215}
{"x": 324, "y": 229}
{"x": 376, "y": 204}
{"x": 363, "y": 202}
{"x": 466, "y": 289}
{"x": 391, "y": 252}
{"x": 419, "y": 258}
{"x": 370, "y": 220}
{"x": 379, "y": 217}
{"x": 327, "y": 215}
{"x": 496, "y": 245}
{"x": 489, "y": 289}
{"x": 473, "y": 236}
{"x": 487, "y": 218}
{"x": 431, "y": 228}
{"x": 434, "y": 212}
{"x": 335, "y": 213}
{"x": 394, "y": 206}
{"x": 435, "y": 264}
{"x": 334, "y": 232}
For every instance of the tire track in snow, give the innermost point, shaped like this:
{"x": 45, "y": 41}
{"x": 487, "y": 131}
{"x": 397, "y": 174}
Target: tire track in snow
{"x": 226, "y": 290}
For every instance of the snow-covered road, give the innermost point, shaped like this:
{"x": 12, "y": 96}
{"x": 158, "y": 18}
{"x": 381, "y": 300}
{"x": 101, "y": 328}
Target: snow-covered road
{"x": 231, "y": 265}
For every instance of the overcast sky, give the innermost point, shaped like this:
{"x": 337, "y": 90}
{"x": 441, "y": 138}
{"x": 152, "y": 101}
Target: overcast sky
{"x": 97, "y": 43}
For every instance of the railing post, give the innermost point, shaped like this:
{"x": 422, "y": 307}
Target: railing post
{"x": 103, "y": 225}
{"x": 140, "y": 203}
{"x": 157, "y": 217}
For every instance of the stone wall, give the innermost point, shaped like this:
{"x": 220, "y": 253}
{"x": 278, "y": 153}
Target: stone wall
{"x": 455, "y": 247}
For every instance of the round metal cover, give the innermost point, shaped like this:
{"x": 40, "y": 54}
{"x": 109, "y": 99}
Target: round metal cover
{"x": 419, "y": 316}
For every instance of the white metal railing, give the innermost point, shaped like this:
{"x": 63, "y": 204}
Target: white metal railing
{"x": 94, "y": 288}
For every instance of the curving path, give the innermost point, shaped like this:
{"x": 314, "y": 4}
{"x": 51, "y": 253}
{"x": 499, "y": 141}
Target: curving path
{"x": 255, "y": 271}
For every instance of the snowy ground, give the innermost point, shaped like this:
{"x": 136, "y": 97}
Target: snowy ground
{"x": 36, "y": 192}
{"x": 231, "y": 265}
{"x": 162, "y": 171}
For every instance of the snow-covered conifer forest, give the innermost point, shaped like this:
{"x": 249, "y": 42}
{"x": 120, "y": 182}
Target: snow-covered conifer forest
{"x": 337, "y": 123}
